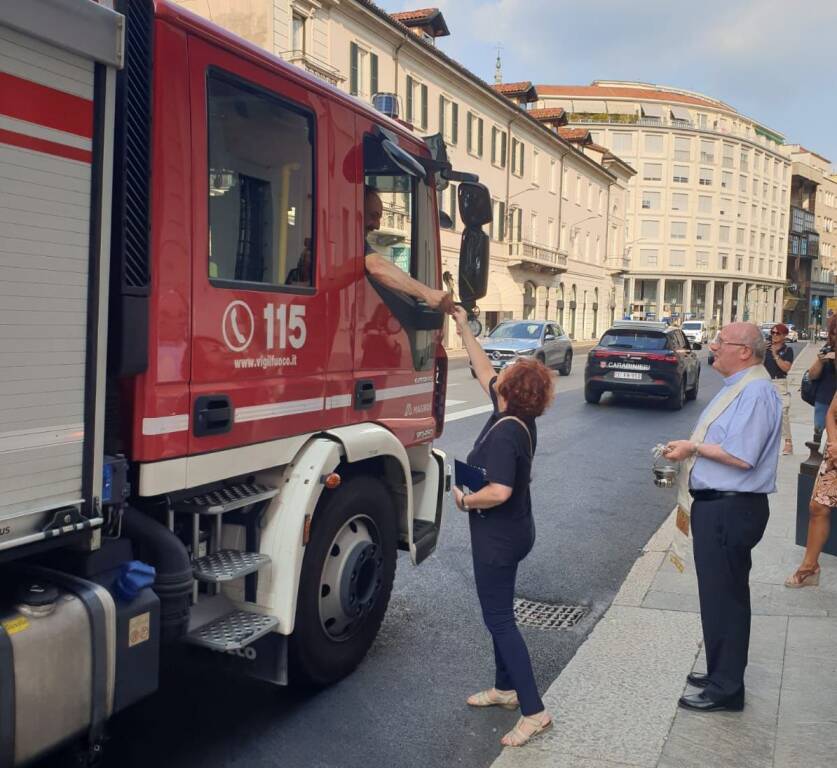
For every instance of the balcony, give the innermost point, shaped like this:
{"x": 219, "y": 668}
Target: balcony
{"x": 804, "y": 246}
{"x": 315, "y": 66}
{"x": 617, "y": 265}
{"x": 802, "y": 221}
{"x": 525, "y": 253}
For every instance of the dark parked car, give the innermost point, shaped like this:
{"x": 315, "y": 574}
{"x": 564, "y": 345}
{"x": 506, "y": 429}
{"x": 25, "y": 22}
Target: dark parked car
{"x": 513, "y": 339}
{"x": 643, "y": 358}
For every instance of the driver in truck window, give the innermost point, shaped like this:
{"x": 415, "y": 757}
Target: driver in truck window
{"x": 385, "y": 272}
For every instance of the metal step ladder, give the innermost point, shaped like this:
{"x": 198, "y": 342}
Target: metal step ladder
{"x": 216, "y": 622}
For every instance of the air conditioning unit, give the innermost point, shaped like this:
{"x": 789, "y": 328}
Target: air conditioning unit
{"x": 388, "y": 103}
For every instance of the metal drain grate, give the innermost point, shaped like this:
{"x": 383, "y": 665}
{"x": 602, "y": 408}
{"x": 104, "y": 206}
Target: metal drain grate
{"x": 530, "y": 613}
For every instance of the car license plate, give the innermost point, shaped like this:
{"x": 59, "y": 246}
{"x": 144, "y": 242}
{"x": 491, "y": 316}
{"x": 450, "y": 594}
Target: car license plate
{"x": 627, "y": 375}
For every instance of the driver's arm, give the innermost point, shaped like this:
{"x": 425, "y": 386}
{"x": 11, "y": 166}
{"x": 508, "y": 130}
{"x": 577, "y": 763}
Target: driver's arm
{"x": 390, "y": 276}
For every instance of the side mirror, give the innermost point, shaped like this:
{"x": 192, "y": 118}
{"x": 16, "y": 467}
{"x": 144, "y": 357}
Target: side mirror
{"x": 445, "y": 221}
{"x": 474, "y": 204}
{"x": 549, "y": 337}
{"x": 697, "y": 345}
{"x": 473, "y": 266}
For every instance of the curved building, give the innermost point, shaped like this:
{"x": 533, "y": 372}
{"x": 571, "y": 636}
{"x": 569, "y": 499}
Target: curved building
{"x": 707, "y": 209}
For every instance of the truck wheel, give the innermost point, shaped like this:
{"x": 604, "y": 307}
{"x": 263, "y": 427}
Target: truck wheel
{"x": 346, "y": 579}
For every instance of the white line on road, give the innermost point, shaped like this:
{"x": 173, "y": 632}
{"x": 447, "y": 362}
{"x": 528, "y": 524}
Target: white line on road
{"x": 469, "y": 412}
{"x": 449, "y": 403}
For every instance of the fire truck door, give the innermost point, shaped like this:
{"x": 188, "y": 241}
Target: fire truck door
{"x": 393, "y": 361}
{"x": 258, "y": 305}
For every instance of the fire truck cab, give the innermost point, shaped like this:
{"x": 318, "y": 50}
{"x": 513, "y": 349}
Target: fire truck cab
{"x": 216, "y": 426}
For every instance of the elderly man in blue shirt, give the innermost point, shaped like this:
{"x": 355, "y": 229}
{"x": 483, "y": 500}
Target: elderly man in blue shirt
{"x": 730, "y": 467}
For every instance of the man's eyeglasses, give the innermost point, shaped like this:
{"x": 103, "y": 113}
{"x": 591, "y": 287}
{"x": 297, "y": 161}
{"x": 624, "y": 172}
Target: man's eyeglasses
{"x": 718, "y": 341}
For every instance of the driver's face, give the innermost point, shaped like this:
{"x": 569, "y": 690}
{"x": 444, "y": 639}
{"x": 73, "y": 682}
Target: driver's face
{"x": 373, "y": 209}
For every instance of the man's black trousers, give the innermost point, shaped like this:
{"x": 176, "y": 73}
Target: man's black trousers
{"x": 725, "y": 531}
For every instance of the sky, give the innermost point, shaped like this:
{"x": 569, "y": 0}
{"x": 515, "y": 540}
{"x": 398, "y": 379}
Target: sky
{"x": 772, "y": 60}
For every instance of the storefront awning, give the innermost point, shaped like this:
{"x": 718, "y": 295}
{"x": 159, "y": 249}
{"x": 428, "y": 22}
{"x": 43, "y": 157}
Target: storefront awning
{"x": 790, "y": 304}
{"x": 504, "y": 294}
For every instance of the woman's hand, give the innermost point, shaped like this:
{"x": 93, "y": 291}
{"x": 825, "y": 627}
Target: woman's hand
{"x": 458, "y": 495}
{"x": 460, "y": 316}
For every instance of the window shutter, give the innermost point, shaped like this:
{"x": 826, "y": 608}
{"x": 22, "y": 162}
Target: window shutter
{"x": 442, "y": 115}
{"x": 502, "y": 221}
{"x": 522, "y": 149}
{"x": 503, "y": 138}
{"x": 373, "y": 73}
{"x": 353, "y": 79}
{"x": 514, "y": 156}
{"x": 454, "y": 119}
{"x": 423, "y": 106}
{"x": 409, "y": 99}
{"x": 493, "y": 145}
{"x": 470, "y": 131}
{"x": 479, "y": 137}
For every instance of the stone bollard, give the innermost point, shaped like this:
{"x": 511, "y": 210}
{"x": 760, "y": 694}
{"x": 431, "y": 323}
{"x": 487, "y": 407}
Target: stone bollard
{"x": 804, "y": 488}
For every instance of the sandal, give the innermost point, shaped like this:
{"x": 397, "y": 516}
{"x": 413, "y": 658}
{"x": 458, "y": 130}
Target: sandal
{"x": 494, "y": 698}
{"x": 804, "y": 577}
{"x": 526, "y": 728}
{"x": 788, "y": 449}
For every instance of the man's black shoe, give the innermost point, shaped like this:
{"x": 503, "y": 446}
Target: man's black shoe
{"x": 702, "y": 703}
{"x": 697, "y": 679}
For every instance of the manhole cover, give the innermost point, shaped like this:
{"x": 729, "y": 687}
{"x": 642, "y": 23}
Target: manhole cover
{"x": 530, "y": 613}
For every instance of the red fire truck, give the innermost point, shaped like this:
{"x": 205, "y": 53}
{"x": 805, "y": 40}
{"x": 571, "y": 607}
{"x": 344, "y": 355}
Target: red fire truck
{"x": 216, "y": 427}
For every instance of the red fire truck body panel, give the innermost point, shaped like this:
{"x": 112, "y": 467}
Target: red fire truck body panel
{"x": 288, "y": 359}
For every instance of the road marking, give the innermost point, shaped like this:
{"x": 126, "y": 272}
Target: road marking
{"x": 469, "y": 412}
{"x": 449, "y": 403}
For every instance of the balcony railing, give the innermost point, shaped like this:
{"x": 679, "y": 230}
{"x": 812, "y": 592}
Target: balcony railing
{"x": 617, "y": 265}
{"x": 538, "y": 256}
{"x": 802, "y": 221}
{"x": 315, "y": 66}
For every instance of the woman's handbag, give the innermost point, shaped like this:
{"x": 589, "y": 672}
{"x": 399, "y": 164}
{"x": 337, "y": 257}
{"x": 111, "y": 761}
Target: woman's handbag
{"x": 808, "y": 390}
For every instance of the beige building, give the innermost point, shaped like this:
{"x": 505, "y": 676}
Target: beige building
{"x": 707, "y": 210}
{"x": 557, "y": 239}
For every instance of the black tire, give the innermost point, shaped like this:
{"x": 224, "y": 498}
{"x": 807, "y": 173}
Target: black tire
{"x": 675, "y": 402}
{"x": 541, "y": 359}
{"x": 591, "y": 395}
{"x": 567, "y": 366}
{"x": 353, "y": 534}
{"x": 693, "y": 392}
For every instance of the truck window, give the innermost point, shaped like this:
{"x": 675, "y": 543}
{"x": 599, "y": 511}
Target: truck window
{"x": 261, "y": 161}
{"x": 406, "y": 205}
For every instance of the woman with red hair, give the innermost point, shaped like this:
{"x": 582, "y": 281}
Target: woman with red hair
{"x": 502, "y": 526}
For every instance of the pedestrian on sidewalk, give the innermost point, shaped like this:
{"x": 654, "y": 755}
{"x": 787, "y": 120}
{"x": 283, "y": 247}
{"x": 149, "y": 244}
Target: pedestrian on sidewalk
{"x": 823, "y": 498}
{"x": 822, "y": 371}
{"x": 778, "y": 361}
{"x": 728, "y": 468}
{"x": 502, "y": 527}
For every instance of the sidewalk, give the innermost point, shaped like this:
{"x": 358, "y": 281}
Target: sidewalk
{"x": 615, "y": 703}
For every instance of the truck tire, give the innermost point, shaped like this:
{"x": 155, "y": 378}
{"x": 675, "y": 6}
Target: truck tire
{"x": 346, "y": 580}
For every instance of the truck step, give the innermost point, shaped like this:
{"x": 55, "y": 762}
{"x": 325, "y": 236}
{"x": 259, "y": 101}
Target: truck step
{"x": 226, "y": 499}
{"x": 227, "y": 565}
{"x": 232, "y": 631}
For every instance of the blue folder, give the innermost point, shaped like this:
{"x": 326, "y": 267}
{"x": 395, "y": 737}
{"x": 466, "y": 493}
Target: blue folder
{"x": 468, "y": 477}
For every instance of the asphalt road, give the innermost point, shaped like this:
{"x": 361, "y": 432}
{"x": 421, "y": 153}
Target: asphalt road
{"x": 595, "y": 506}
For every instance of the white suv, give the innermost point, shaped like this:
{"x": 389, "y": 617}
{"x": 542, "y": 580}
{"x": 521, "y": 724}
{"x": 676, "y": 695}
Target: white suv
{"x": 695, "y": 331}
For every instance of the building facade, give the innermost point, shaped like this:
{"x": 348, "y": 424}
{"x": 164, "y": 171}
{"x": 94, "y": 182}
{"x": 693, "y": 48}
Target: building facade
{"x": 559, "y": 212}
{"x": 812, "y": 237}
{"x": 707, "y": 214}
